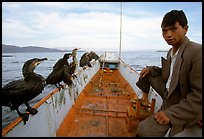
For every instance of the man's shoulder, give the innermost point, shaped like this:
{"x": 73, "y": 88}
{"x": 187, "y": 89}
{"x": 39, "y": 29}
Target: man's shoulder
{"x": 193, "y": 49}
{"x": 193, "y": 44}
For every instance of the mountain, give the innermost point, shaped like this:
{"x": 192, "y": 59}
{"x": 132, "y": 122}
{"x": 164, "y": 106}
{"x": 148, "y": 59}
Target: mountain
{"x": 17, "y": 49}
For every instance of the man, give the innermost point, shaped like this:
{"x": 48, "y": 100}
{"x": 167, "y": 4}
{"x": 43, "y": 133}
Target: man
{"x": 178, "y": 82}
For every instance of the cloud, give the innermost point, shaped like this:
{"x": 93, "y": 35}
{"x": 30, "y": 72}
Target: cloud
{"x": 85, "y": 25}
{"x": 92, "y": 29}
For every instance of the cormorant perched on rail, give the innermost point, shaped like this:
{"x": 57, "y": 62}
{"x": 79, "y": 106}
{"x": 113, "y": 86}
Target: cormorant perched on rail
{"x": 69, "y": 71}
{"x": 67, "y": 76}
{"x": 74, "y": 57}
{"x": 57, "y": 75}
{"x": 93, "y": 55}
{"x": 22, "y": 91}
{"x": 86, "y": 58}
{"x": 74, "y": 64}
{"x": 84, "y": 61}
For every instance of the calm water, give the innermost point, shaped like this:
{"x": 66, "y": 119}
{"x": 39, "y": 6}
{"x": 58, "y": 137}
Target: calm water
{"x": 12, "y": 64}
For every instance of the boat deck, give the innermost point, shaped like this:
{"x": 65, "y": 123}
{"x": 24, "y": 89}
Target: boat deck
{"x": 101, "y": 110}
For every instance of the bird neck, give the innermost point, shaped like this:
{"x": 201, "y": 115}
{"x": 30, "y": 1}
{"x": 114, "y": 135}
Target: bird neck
{"x": 33, "y": 77}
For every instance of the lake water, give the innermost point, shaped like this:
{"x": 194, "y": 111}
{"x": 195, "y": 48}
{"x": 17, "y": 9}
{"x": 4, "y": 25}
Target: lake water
{"x": 12, "y": 64}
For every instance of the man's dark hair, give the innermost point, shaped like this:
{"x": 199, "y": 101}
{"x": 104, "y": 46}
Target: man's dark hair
{"x": 174, "y": 16}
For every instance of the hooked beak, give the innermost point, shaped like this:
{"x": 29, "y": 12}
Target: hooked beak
{"x": 43, "y": 59}
{"x": 40, "y": 61}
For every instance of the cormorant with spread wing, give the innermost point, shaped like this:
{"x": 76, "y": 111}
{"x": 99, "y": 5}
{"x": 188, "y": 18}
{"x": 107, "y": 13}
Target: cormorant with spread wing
{"x": 93, "y": 55}
{"x": 86, "y": 59}
{"x": 57, "y": 75}
{"x": 22, "y": 91}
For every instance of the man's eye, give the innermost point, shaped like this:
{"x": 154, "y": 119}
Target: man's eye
{"x": 164, "y": 30}
{"x": 173, "y": 29}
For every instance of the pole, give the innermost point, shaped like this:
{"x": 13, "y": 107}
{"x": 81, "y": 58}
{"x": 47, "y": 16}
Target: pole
{"x": 120, "y": 29}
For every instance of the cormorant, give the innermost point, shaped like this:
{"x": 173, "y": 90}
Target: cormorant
{"x": 74, "y": 64}
{"x": 86, "y": 58}
{"x": 74, "y": 57}
{"x": 57, "y": 75}
{"x": 22, "y": 91}
{"x": 70, "y": 70}
{"x": 84, "y": 61}
{"x": 93, "y": 55}
{"x": 67, "y": 76}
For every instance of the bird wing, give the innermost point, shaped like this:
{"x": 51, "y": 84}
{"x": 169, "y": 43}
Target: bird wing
{"x": 67, "y": 76}
{"x": 55, "y": 76}
{"x": 60, "y": 63}
{"x": 16, "y": 88}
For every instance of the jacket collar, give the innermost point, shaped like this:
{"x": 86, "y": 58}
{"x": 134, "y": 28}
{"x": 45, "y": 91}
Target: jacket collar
{"x": 179, "y": 59}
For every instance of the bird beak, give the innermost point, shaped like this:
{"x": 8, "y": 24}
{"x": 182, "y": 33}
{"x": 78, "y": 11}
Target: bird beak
{"x": 40, "y": 61}
{"x": 43, "y": 59}
{"x": 76, "y": 49}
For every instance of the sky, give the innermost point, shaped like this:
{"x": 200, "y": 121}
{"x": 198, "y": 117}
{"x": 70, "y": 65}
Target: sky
{"x": 94, "y": 25}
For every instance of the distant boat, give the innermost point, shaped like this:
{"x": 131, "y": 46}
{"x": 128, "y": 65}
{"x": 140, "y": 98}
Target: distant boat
{"x": 161, "y": 50}
{"x": 7, "y": 55}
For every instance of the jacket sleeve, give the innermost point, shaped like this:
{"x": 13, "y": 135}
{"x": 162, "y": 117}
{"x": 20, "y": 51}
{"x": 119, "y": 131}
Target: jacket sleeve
{"x": 155, "y": 70}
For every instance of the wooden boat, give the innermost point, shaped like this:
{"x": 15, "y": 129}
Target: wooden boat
{"x": 102, "y": 102}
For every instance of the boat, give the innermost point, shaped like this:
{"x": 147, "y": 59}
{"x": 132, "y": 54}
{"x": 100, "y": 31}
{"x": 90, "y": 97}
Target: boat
{"x": 102, "y": 102}
{"x": 99, "y": 103}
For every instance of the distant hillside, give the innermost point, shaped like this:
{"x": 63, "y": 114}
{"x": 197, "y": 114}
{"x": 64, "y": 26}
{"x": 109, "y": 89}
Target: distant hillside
{"x": 17, "y": 49}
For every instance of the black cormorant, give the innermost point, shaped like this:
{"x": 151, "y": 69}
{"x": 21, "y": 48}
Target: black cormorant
{"x": 57, "y": 75}
{"x": 22, "y": 91}
{"x": 84, "y": 61}
{"x": 67, "y": 77}
{"x": 93, "y": 55}
{"x": 86, "y": 58}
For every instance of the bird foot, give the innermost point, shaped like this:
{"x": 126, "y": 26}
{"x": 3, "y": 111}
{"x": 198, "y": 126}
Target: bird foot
{"x": 84, "y": 68}
{"x": 32, "y": 111}
{"x": 25, "y": 117}
{"x": 62, "y": 86}
{"x": 74, "y": 76}
{"x": 89, "y": 65}
{"x": 59, "y": 88}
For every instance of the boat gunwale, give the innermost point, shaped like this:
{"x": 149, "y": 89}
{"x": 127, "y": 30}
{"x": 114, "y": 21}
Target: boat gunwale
{"x": 38, "y": 104}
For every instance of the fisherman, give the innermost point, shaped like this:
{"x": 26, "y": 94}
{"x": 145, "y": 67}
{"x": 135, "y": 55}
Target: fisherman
{"x": 178, "y": 81}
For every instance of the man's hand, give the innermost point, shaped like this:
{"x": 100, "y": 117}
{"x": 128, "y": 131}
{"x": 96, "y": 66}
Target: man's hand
{"x": 144, "y": 72}
{"x": 161, "y": 118}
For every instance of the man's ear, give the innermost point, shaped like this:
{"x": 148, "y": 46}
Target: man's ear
{"x": 186, "y": 28}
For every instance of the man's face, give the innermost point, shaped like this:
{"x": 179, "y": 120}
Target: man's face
{"x": 175, "y": 34}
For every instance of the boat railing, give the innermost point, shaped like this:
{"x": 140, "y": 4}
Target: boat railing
{"x": 132, "y": 76}
{"x": 57, "y": 110}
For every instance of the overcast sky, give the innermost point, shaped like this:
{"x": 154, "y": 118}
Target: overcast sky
{"x": 89, "y": 25}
